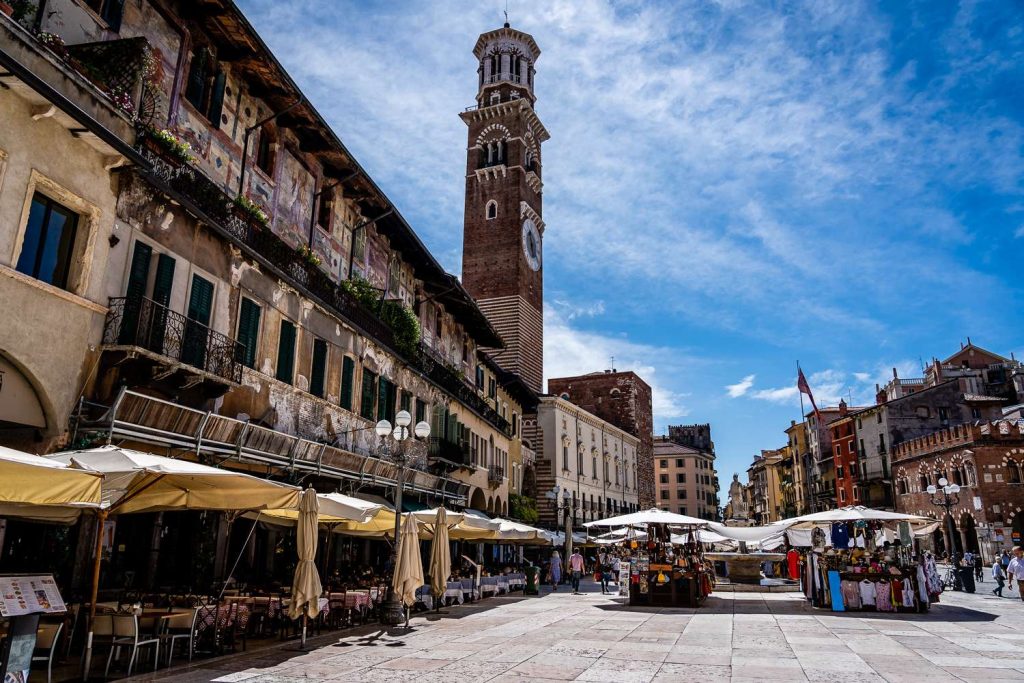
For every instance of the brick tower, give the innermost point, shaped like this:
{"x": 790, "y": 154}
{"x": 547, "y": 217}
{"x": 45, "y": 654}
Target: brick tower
{"x": 502, "y": 265}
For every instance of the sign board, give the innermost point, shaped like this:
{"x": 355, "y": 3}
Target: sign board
{"x": 977, "y": 502}
{"x": 29, "y": 595}
{"x": 624, "y": 578}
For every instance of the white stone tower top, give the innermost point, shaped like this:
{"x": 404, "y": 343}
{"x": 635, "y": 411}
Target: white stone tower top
{"x": 507, "y": 57}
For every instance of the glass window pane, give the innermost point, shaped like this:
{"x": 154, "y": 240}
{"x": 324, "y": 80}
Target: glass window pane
{"x": 33, "y": 236}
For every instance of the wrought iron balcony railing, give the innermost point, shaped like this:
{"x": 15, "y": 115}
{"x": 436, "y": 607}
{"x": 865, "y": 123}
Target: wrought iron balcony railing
{"x": 495, "y": 475}
{"x": 142, "y": 322}
{"x": 455, "y": 452}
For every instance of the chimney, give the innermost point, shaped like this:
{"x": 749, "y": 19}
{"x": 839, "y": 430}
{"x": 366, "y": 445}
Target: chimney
{"x": 894, "y": 375}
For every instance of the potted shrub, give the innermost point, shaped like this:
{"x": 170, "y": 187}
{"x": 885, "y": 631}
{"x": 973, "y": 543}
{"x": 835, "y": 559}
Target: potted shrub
{"x": 308, "y": 255}
{"x": 168, "y": 145}
{"x": 250, "y": 211}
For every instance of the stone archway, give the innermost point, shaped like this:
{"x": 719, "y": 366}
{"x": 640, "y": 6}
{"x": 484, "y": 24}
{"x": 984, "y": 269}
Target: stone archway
{"x": 477, "y": 500}
{"x": 938, "y": 542}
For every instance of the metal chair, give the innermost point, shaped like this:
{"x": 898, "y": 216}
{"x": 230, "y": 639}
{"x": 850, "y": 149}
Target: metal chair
{"x": 126, "y": 634}
{"x": 181, "y": 627}
{"x": 47, "y": 638}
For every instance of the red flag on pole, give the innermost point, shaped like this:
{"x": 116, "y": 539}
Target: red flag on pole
{"x": 805, "y": 388}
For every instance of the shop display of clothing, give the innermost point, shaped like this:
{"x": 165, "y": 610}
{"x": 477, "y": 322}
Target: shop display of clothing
{"x": 897, "y": 592}
{"x": 908, "y": 593}
{"x": 792, "y": 558}
{"x": 883, "y": 596}
{"x": 867, "y": 592}
{"x": 840, "y": 535}
{"x": 851, "y": 594}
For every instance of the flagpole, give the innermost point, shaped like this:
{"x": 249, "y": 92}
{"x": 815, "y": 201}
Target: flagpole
{"x": 803, "y": 424}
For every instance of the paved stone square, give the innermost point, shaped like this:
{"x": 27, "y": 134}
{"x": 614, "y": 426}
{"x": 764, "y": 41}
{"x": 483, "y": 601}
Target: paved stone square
{"x": 590, "y": 637}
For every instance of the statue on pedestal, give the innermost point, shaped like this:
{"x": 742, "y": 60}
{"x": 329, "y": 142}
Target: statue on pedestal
{"x": 736, "y": 502}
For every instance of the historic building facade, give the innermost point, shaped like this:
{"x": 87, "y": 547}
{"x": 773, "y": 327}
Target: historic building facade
{"x": 623, "y": 399}
{"x": 686, "y": 479}
{"x": 985, "y": 459}
{"x": 229, "y": 283}
{"x": 592, "y": 459}
{"x": 502, "y": 255}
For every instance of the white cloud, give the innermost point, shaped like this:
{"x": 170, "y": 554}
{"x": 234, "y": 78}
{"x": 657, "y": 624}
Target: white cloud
{"x": 1019, "y": 233}
{"x": 741, "y": 387}
{"x": 570, "y": 351}
{"x": 784, "y": 395}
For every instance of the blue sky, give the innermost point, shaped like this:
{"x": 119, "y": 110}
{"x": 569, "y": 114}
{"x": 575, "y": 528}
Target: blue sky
{"x": 730, "y": 186}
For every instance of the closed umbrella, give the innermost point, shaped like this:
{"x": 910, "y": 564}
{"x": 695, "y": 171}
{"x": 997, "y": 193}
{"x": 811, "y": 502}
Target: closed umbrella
{"x": 306, "y": 586}
{"x": 440, "y": 556}
{"x": 408, "y": 575}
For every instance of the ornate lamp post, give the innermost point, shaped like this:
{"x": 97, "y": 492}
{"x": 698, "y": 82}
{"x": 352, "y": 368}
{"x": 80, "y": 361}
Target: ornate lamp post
{"x": 567, "y": 510}
{"x": 394, "y": 612}
{"x": 950, "y": 498}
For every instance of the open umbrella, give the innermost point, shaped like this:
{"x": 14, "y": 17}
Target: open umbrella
{"x": 408, "y": 576}
{"x": 440, "y": 556}
{"x": 37, "y": 488}
{"x": 306, "y": 586}
{"x": 853, "y": 513}
{"x": 134, "y": 481}
{"x": 652, "y": 516}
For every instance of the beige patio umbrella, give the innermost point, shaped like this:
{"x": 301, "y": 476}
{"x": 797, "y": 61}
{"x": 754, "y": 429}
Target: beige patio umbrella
{"x": 37, "y": 488}
{"x": 440, "y": 557}
{"x": 306, "y": 586}
{"x": 408, "y": 575}
{"x": 134, "y": 481}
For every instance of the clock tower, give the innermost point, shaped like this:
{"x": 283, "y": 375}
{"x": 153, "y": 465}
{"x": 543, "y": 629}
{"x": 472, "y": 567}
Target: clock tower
{"x": 502, "y": 247}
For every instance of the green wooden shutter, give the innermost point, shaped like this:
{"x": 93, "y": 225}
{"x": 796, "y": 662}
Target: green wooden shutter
{"x": 113, "y": 10}
{"x": 138, "y": 275}
{"x": 286, "y": 352}
{"x": 348, "y": 367}
{"x": 369, "y": 390}
{"x": 386, "y": 400}
{"x": 196, "y": 87}
{"x": 200, "y": 302}
{"x": 318, "y": 368}
{"x": 164, "y": 281}
{"x": 249, "y": 331}
{"x": 217, "y": 99}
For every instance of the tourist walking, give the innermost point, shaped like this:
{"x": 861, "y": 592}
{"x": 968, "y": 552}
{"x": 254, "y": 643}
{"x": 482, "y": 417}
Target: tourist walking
{"x": 555, "y": 570}
{"x": 999, "y": 574}
{"x": 576, "y": 570}
{"x": 978, "y": 567}
{"x": 1015, "y": 570}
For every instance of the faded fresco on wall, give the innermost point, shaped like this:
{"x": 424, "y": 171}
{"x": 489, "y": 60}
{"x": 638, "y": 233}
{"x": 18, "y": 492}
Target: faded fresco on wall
{"x": 294, "y": 198}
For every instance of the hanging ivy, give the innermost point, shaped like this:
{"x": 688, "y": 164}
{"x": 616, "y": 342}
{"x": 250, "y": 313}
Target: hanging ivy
{"x": 397, "y": 316}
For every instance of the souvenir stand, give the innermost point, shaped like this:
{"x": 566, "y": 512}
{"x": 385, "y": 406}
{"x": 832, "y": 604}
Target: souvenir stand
{"x": 664, "y": 572}
{"x": 863, "y": 560}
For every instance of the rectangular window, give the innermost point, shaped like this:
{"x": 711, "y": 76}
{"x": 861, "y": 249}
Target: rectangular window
{"x": 681, "y": 478}
{"x": 348, "y": 370}
{"x": 405, "y": 402}
{"x": 664, "y": 494}
{"x": 663, "y": 478}
{"x": 386, "y": 400}
{"x": 248, "y": 331}
{"x": 110, "y": 12}
{"x": 48, "y": 247}
{"x": 421, "y": 411}
{"x": 197, "y": 332}
{"x": 369, "y": 394}
{"x": 318, "y": 368}
{"x": 681, "y": 494}
{"x": 565, "y": 457}
{"x": 286, "y": 352}
{"x": 480, "y": 377}
{"x": 679, "y": 462}
{"x": 205, "y": 86}
{"x": 842, "y": 495}
{"x": 664, "y": 463}
{"x": 492, "y": 388}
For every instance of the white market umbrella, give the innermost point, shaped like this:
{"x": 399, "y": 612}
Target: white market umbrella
{"x": 853, "y": 513}
{"x": 652, "y": 516}
{"x": 440, "y": 556}
{"x": 408, "y": 574}
{"x": 306, "y": 586}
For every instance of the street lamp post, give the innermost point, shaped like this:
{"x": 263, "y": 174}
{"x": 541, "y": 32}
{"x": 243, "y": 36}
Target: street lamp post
{"x": 393, "y": 612}
{"x": 950, "y": 497}
{"x": 567, "y": 509}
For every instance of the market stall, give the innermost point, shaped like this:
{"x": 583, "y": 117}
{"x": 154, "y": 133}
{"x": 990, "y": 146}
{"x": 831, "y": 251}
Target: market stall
{"x": 864, "y": 559}
{"x": 662, "y": 570}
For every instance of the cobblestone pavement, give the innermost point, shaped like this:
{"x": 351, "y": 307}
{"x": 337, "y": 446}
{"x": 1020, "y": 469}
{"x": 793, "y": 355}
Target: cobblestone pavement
{"x": 591, "y": 637}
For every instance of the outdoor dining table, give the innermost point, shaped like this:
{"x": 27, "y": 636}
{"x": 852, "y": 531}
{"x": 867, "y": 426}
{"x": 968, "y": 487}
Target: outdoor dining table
{"x": 488, "y": 584}
{"x": 453, "y": 591}
{"x": 424, "y": 597}
{"x": 276, "y": 606}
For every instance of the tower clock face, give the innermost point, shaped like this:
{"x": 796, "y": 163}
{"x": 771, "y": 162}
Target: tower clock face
{"x": 531, "y": 244}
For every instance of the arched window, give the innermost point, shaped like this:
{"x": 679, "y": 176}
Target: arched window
{"x": 492, "y": 209}
{"x": 924, "y": 481}
{"x": 1013, "y": 471}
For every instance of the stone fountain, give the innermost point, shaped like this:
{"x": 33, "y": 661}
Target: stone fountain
{"x": 743, "y": 566}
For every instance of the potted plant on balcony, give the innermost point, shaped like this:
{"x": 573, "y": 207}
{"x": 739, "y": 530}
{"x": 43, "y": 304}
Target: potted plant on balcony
{"x": 308, "y": 255}
{"x": 168, "y": 145}
{"x": 53, "y": 42}
{"x": 250, "y": 211}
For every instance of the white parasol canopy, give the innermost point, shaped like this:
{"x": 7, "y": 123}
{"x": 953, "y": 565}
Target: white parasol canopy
{"x": 652, "y": 516}
{"x": 853, "y": 513}
{"x": 750, "y": 534}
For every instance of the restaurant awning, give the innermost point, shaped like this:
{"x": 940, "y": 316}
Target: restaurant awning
{"x": 333, "y": 508}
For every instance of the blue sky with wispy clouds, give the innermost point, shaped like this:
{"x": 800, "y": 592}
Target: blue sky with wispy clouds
{"x": 730, "y": 186}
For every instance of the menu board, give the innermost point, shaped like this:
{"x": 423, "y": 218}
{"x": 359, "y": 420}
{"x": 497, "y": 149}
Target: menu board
{"x": 29, "y": 595}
